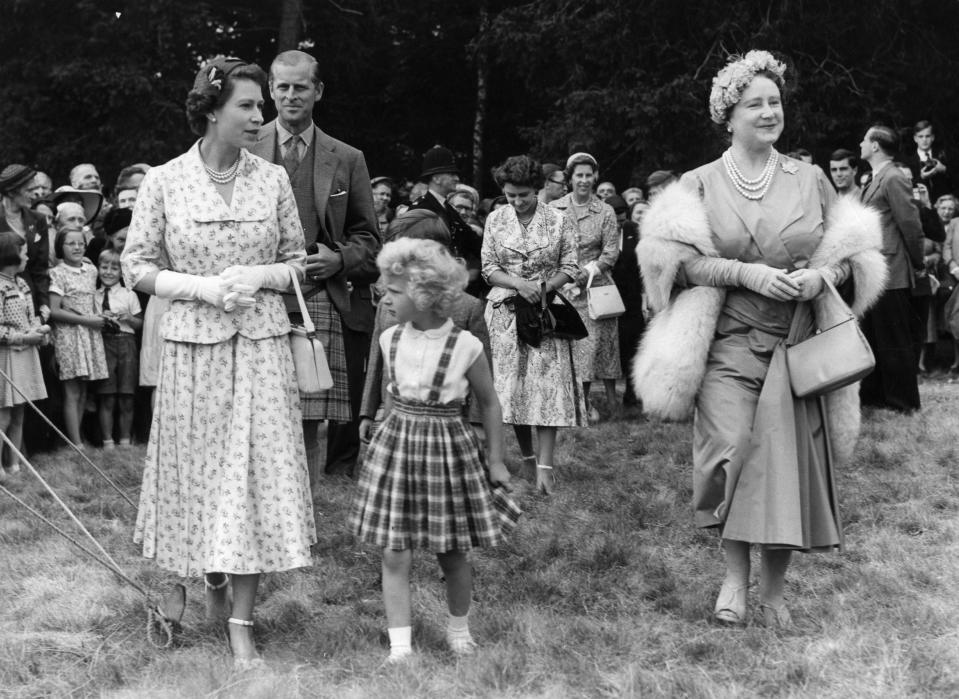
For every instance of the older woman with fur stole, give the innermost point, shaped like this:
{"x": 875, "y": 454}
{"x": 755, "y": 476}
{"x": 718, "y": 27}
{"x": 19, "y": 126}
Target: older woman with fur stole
{"x": 734, "y": 258}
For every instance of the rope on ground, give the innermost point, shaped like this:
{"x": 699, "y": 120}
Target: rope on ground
{"x": 66, "y": 439}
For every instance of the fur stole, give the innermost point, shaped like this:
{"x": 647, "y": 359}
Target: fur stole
{"x": 670, "y": 364}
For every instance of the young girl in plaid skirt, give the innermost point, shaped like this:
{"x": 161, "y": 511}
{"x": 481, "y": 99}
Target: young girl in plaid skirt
{"x": 424, "y": 481}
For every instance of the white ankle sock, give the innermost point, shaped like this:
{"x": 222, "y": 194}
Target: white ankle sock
{"x": 458, "y": 624}
{"x": 401, "y": 641}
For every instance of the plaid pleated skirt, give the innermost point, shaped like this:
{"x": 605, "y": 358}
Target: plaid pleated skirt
{"x": 333, "y": 404}
{"x": 424, "y": 484}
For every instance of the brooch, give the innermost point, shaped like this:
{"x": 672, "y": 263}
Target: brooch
{"x": 789, "y": 167}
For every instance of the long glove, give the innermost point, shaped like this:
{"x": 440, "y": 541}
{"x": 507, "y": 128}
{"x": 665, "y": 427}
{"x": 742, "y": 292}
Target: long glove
{"x": 248, "y": 279}
{"x": 719, "y": 271}
{"x": 191, "y": 287}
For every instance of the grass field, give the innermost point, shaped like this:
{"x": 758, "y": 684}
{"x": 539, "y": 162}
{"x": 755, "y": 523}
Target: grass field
{"x": 605, "y": 590}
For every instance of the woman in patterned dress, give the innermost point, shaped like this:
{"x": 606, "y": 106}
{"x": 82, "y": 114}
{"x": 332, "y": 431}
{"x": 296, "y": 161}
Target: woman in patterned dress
{"x": 216, "y": 230}
{"x": 529, "y": 249}
{"x": 597, "y": 356}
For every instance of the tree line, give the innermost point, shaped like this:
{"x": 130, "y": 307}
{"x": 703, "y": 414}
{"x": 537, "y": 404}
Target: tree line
{"x": 628, "y": 80}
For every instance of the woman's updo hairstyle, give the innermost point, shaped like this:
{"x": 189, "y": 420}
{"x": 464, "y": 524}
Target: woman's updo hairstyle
{"x": 580, "y": 158}
{"x": 214, "y": 85}
{"x": 519, "y": 171}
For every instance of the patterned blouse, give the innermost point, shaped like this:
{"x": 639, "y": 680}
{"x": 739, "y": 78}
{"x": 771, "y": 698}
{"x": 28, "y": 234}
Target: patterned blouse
{"x": 181, "y": 223}
{"x": 535, "y": 253}
{"x": 598, "y": 236}
{"x": 16, "y": 310}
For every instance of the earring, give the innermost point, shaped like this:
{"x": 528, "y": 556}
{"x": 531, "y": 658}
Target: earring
{"x": 729, "y": 128}
{"x": 212, "y": 118}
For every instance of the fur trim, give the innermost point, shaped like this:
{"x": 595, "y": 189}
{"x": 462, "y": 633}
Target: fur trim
{"x": 675, "y": 228}
{"x": 670, "y": 364}
{"x": 854, "y": 234}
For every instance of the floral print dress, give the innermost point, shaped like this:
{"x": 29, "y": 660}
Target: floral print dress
{"x": 78, "y": 349}
{"x": 597, "y": 356}
{"x": 535, "y": 386}
{"x": 225, "y": 487}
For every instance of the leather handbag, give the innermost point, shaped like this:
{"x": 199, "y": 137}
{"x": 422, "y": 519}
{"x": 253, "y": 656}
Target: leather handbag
{"x": 837, "y": 355}
{"x": 603, "y": 301}
{"x": 562, "y": 318}
{"x": 309, "y": 358}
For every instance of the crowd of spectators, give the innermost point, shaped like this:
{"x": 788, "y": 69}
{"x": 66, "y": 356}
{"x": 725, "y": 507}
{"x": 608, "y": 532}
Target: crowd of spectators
{"x": 113, "y": 332}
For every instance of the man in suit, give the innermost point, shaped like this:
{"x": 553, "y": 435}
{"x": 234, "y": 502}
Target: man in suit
{"x": 441, "y": 176}
{"x": 888, "y": 325}
{"x": 331, "y": 185}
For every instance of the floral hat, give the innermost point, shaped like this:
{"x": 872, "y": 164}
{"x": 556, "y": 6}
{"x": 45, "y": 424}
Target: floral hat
{"x": 731, "y": 81}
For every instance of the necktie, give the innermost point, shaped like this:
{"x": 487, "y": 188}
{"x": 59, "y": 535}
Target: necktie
{"x": 106, "y": 298}
{"x": 292, "y": 157}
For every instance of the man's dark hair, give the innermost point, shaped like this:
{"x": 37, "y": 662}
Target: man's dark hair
{"x": 886, "y": 137}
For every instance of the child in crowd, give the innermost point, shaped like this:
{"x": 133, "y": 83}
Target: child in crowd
{"x": 20, "y": 334}
{"x": 121, "y": 309}
{"x": 424, "y": 480}
{"x": 76, "y": 332}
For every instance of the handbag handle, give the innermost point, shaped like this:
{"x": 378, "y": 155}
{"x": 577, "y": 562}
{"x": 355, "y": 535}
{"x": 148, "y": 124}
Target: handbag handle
{"x": 829, "y": 288}
{"x": 307, "y": 321}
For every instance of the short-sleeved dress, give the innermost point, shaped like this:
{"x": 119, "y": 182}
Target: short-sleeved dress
{"x": 424, "y": 482}
{"x": 225, "y": 486}
{"x": 597, "y": 355}
{"x": 536, "y": 385}
{"x": 79, "y": 349}
{"x": 19, "y": 362}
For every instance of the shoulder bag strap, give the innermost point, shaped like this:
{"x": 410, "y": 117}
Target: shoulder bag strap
{"x": 307, "y": 321}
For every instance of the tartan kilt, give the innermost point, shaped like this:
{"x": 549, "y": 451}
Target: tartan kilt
{"x": 424, "y": 484}
{"x": 335, "y": 403}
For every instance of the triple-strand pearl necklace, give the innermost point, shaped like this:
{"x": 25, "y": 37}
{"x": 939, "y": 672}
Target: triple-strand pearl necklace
{"x": 223, "y": 176}
{"x": 751, "y": 189}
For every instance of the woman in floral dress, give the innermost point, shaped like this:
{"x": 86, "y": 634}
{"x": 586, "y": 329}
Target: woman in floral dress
{"x": 225, "y": 488}
{"x": 597, "y": 356}
{"x": 527, "y": 245}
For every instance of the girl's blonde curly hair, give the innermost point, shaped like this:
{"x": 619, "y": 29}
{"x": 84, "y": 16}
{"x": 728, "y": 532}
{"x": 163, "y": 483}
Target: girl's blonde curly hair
{"x": 435, "y": 278}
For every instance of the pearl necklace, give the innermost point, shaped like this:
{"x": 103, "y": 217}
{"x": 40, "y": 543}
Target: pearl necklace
{"x": 754, "y": 189}
{"x": 224, "y": 176}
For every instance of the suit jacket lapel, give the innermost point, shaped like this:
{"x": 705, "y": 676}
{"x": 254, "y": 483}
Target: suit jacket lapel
{"x": 874, "y": 185}
{"x": 324, "y": 168}
{"x": 265, "y": 145}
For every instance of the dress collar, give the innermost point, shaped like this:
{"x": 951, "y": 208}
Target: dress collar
{"x": 433, "y": 334}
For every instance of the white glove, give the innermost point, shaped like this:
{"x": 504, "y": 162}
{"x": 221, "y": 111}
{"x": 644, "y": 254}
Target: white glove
{"x": 191, "y": 287}
{"x": 248, "y": 279}
{"x": 763, "y": 280}
{"x": 592, "y": 270}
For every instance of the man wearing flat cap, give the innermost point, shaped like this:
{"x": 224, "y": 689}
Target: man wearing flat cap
{"x": 331, "y": 185}
{"x": 16, "y": 183}
{"x": 441, "y": 177}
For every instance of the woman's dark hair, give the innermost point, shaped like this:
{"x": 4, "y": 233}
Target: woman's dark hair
{"x": 204, "y": 99}
{"x": 519, "y": 171}
{"x": 10, "y": 244}
{"x": 58, "y": 241}
{"x": 419, "y": 223}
